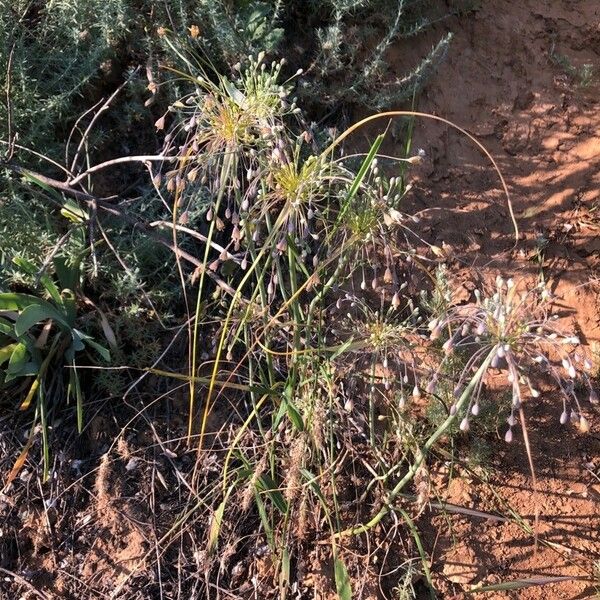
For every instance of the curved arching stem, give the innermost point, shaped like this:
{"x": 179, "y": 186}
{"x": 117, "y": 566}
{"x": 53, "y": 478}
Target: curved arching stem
{"x": 412, "y": 113}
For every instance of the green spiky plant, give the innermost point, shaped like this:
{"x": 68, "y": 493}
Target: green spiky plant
{"x": 36, "y": 360}
{"x": 289, "y": 228}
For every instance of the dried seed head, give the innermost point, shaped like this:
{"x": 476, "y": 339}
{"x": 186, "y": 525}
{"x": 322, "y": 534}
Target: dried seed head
{"x": 436, "y": 333}
{"x": 464, "y": 424}
{"x": 584, "y": 425}
{"x": 508, "y": 436}
{"x": 564, "y": 417}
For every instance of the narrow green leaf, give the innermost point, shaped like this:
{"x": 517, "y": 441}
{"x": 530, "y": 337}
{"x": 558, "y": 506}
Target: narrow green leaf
{"x": 7, "y": 328}
{"x": 45, "y": 279}
{"x": 422, "y": 554}
{"x": 519, "y": 584}
{"x": 6, "y": 352}
{"x": 12, "y": 301}
{"x": 266, "y": 484}
{"x": 284, "y": 575}
{"x": 75, "y": 385}
{"x": 67, "y": 273}
{"x": 33, "y": 314}
{"x": 33, "y": 179}
{"x": 342, "y": 580}
{"x": 341, "y": 349}
{"x": 264, "y": 518}
{"x": 313, "y": 482}
{"x": 294, "y": 416}
{"x": 73, "y": 212}
{"x": 281, "y": 412}
{"x": 18, "y": 359}
{"x": 362, "y": 172}
{"x": 101, "y": 350}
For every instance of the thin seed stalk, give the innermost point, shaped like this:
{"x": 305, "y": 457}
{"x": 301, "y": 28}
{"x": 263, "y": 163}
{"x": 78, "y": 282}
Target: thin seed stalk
{"x": 227, "y": 167}
{"x": 320, "y": 295}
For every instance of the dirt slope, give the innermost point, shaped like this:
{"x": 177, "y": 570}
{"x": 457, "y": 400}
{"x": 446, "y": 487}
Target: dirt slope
{"x": 515, "y": 78}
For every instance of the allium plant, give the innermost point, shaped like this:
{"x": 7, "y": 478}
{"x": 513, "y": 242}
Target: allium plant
{"x": 385, "y": 338}
{"x": 519, "y": 336}
{"x": 378, "y": 237}
{"x": 222, "y": 126}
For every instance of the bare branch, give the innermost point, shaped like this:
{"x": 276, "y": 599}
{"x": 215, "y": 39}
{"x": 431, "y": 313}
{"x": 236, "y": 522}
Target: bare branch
{"x": 198, "y": 236}
{"x": 116, "y": 161}
{"x": 103, "y": 108}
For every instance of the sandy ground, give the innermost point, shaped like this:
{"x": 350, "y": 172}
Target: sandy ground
{"x": 514, "y": 78}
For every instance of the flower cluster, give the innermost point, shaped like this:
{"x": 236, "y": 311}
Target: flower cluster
{"x": 517, "y": 334}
